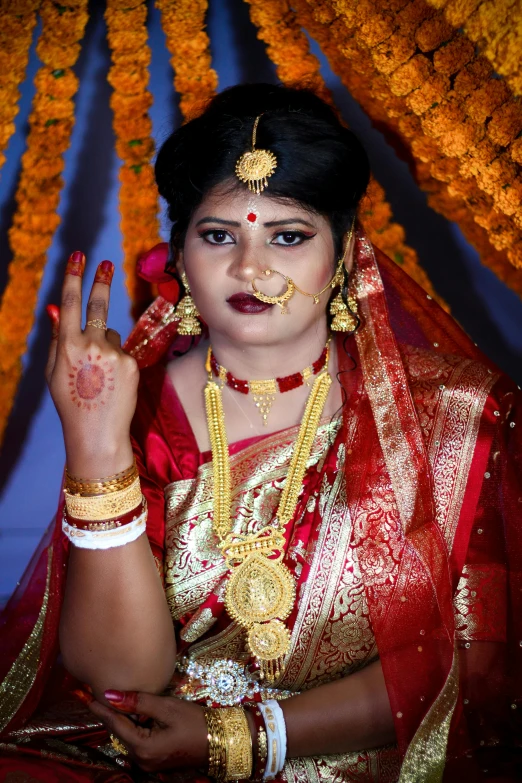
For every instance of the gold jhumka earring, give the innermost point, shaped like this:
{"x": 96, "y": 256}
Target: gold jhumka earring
{"x": 187, "y": 312}
{"x": 254, "y": 167}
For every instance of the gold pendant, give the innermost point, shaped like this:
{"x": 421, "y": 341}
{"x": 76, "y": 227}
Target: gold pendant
{"x": 259, "y": 590}
{"x": 264, "y": 394}
{"x": 269, "y": 643}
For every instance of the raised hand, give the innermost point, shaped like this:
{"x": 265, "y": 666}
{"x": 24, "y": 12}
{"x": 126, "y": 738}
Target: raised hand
{"x": 92, "y": 381}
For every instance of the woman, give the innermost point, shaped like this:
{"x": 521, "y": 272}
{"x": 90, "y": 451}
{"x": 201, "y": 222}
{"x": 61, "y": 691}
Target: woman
{"x": 329, "y": 475}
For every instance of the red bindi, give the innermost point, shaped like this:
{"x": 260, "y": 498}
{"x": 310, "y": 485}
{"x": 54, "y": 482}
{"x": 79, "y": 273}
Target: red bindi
{"x": 251, "y": 217}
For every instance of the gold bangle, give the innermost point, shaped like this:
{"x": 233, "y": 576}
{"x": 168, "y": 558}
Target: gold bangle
{"x": 238, "y": 742}
{"x": 217, "y": 749}
{"x": 101, "y": 486}
{"x": 103, "y": 507}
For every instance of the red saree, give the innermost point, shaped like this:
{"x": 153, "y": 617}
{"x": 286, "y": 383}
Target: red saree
{"x": 405, "y": 545}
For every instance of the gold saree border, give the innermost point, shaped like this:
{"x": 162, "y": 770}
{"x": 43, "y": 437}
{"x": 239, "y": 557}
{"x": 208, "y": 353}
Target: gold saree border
{"x": 404, "y": 452}
{"x": 425, "y": 757}
{"x": 21, "y": 676}
{"x": 453, "y": 440}
{"x": 191, "y": 499}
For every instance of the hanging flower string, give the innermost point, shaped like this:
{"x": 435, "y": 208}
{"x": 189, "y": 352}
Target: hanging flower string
{"x": 183, "y": 22}
{"x": 35, "y": 222}
{"x": 288, "y": 48}
{"x": 456, "y": 122}
{"x": 130, "y": 102}
{"x": 17, "y": 21}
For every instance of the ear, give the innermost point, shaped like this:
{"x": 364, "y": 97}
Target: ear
{"x": 348, "y": 249}
{"x": 180, "y": 264}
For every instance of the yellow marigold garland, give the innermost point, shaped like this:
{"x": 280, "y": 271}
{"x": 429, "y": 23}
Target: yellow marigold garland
{"x": 183, "y": 22}
{"x": 38, "y": 193}
{"x": 496, "y": 27}
{"x": 423, "y": 105}
{"x": 287, "y": 47}
{"x": 17, "y": 21}
{"x": 130, "y": 102}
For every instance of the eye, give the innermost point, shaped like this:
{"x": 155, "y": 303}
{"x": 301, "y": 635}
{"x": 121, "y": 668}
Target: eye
{"x": 217, "y": 236}
{"x": 290, "y": 238}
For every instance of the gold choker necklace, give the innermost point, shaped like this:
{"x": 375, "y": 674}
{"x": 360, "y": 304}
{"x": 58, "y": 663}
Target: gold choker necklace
{"x": 260, "y": 592}
{"x": 264, "y": 392}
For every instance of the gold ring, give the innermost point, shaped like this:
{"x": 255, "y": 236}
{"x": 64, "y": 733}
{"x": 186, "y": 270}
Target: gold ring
{"x": 97, "y": 323}
{"x": 118, "y": 745}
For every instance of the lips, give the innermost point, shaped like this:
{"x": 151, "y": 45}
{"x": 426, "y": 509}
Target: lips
{"x": 247, "y": 303}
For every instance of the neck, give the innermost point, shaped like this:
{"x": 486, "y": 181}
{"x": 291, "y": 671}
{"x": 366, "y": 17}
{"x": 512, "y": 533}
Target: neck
{"x": 260, "y": 362}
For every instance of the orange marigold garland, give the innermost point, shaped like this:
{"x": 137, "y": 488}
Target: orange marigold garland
{"x": 183, "y": 22}
{"x": 38, "y": 193}
{"x": 17, "y": 21}
{"x": 497, "y": 30}
{"x": 421, "y": 101}
{"x": 288, "y": 48}
{"x": 130, "y": 102}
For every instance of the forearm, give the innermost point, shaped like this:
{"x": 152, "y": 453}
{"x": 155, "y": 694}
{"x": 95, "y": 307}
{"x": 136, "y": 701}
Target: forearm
{"x": 115, "y": 629}
{"x": 352, "y": 713}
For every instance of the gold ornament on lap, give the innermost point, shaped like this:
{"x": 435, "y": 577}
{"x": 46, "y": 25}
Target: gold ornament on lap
{"x": 254, "y": 167}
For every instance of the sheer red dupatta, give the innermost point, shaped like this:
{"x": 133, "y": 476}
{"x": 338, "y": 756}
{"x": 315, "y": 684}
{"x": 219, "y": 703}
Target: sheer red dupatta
{"x": 411, "y": 552}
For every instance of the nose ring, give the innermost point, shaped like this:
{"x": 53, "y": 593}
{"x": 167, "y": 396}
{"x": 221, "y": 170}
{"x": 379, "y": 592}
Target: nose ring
{"x": 281, "y": 299}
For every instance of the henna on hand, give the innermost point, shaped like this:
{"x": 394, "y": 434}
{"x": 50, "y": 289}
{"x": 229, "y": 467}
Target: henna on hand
{"x": 89, "y": 381}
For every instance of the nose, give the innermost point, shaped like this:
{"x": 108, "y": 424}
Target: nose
{"x": 248, "y": 264}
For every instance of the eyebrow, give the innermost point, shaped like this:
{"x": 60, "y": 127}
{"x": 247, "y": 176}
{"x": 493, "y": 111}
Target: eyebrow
{"x": 270, "y": 224}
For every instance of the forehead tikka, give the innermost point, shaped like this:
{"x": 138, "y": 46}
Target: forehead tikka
{"x": 254, "y": 167}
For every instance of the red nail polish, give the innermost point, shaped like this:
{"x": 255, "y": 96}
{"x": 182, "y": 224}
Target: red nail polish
{"x": 54, "y": 316}
{"x": 116, "y": 696}
{"x": 75, "y": 264}
{"x": 104, "y": 272}
{"x": 84, "y": 697}
{"x": 53, "y": 311}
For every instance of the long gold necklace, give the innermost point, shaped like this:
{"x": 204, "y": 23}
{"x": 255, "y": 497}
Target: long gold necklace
{"x": 260, "y": 592}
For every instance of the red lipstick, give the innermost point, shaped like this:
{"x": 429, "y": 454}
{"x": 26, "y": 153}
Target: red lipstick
{"x": 247, "y": 303}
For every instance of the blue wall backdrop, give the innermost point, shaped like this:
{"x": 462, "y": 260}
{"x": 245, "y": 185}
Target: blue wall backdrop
{"x": 31, "y": 461}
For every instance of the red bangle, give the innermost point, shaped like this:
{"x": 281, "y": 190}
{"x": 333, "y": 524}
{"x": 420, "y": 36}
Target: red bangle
{"x": 258, "y": 742}
{"x": 124, "y": 519}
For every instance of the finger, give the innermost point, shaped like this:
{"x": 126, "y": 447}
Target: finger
{"x": 113, "y": 337}
{"x": 136, "y": 702}
{"x": 71, "y": 307}
{"x": 85, "y": 697}
{"x": 120, "y": 725}
{"x": 98, "y": 304}
{"x": 54, "y": 316}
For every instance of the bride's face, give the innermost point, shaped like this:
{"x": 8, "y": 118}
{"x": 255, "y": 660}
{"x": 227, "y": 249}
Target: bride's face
{"x": 232, "y": 239}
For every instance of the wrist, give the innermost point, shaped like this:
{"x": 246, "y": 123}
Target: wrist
{"x": 98, "y": 460}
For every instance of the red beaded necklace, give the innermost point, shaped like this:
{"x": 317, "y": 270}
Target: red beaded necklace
{"x": 264, "y": 392}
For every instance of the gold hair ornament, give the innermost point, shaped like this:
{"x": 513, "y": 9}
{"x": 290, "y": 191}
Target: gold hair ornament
{"x": 292, "y": 287}
{"x": 254, "y": 167}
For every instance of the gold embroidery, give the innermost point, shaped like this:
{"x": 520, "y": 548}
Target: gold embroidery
{"x": 198, "y": 625}
{"x": 426, "y": 755}
{"x": 449, "y": 395}
{"x": 21, "y": 676}
{"x": 480, "y": 591}
{"x": 378, "y": 764}
{"x": 194, "y": 565}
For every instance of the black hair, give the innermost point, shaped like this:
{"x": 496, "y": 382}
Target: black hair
{"x": 320, "y": 163}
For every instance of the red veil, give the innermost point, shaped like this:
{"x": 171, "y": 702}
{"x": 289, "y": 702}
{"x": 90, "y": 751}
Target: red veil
{"x": 434, "y": 490}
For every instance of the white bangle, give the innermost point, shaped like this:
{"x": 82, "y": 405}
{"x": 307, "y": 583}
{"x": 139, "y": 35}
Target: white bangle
{"x": 106, "y": 539}
{"x": 276, "y": 737}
